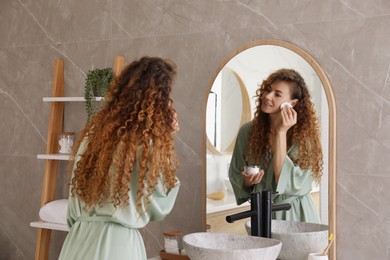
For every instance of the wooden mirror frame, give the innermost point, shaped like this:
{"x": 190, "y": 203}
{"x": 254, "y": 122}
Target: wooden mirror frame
{"x": 332, "y": 129}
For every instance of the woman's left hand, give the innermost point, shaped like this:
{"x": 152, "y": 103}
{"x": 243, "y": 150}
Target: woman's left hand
{"x": 252, "y": 179}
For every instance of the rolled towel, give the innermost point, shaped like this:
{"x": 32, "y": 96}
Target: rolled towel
{"x": 54, "y": 211}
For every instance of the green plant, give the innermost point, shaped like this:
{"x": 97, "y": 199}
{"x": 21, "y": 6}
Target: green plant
{"x": 97, "y": 83}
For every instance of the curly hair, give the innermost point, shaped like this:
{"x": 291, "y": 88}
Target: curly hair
{"x": 305, "y": 133}
{"x": 133, "y": 128}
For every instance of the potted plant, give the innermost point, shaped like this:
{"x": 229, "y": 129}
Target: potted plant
{"x": 97, "y": 84}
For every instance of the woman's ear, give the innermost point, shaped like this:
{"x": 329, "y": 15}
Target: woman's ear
{"x": 294, "y": 102}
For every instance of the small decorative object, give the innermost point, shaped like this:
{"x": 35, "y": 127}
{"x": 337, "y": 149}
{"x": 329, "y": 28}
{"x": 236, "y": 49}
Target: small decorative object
{"x": 96, "y": 85}
{"x": 66, "y": 142}
{"x": 324, "y": 254}
{"x": 172, "y": 246}
{"x": 218, "y": 195}
{"x": 169, "y": 256}
{"x": 172, "y": 241}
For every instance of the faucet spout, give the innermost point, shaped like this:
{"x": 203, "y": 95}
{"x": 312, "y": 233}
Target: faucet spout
{"x": 278, "y": 207}
{"x": 240, "y": 215}
{"x": 254, "y": 213}
{"x": 260, "y": 213}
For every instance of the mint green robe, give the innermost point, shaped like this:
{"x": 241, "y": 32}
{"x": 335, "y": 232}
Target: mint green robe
{"x": 294, "y": 185}
{"x": 106, "y": 233}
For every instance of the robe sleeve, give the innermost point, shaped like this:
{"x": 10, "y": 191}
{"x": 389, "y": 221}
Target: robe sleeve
{"x": 237, "y": 164}
{"x": 162, "y": 202}
{"x": 293, "y": 180}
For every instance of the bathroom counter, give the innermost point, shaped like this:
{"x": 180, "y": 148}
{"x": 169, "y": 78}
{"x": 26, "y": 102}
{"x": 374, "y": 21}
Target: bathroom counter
{"x": 227, "y": 203}
{"x": 217, "y": 210}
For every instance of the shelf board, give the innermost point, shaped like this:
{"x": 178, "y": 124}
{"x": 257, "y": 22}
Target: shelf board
{"x": 68, "y": 99}
{"x": 55, "y": 156}
{"x": 49, "y": 225}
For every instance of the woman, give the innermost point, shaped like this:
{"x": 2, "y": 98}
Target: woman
{"x": 124, "y": 169}
{"x": 285, "y": 142}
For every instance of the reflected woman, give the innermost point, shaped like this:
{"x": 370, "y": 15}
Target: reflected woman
{"x": 285, "y": 142}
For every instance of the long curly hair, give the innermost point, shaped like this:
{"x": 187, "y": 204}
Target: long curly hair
{"x": 305, "y": 133}
{"x": 134, "y": 127}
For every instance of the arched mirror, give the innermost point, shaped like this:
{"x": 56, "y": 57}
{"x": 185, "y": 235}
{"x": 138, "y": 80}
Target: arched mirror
{"x": 230, "y": 103}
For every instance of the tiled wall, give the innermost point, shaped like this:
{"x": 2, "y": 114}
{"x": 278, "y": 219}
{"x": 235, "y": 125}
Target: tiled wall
{"x": 349, "y": 38}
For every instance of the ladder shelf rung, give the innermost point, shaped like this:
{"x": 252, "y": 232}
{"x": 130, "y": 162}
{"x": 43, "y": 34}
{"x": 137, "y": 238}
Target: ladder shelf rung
{"x": 49, "y": 225}
{"x": 68, "y": 99}
{"x": 54, "y": 156}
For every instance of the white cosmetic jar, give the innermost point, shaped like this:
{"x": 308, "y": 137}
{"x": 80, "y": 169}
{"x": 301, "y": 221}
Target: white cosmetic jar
{"x": 252, "y": 169}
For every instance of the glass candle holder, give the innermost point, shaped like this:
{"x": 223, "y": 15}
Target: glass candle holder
{"x": 172, "y": 241}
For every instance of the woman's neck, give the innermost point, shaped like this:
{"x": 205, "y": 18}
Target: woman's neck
{"x": 273, "y": 123}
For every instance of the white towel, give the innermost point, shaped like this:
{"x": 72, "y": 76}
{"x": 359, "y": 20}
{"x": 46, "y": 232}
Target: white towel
{"x": 54, "y": 211}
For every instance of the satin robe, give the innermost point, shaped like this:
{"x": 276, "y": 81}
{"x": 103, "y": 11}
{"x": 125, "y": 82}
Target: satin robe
{"x": 106, "y": 233}
{"x": 294, "y": 184}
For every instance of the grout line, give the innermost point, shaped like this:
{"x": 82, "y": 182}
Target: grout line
{"x": 354, "y": 10}
{"x": 361, "y": 83}
{"x": 11, "y": 240}
{"x": 187, "y": 146}
{"x": 36, "y": 20}
{"x": 153, "y": 235}
{"x": 257, "y": 12}
{"x": 357, "y": 199}
{"x": 21, "y": 110}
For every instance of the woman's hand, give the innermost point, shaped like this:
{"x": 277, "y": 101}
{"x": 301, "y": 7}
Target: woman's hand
{"x": 288, "y": 119}
{"x": 252, "y": 179}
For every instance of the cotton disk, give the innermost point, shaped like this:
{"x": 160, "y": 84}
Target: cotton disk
{"x": 285, "y": 104}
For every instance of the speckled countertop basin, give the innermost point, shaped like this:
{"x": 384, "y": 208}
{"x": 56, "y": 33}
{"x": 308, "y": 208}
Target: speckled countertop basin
{"x": 216, "y": 246}
{"x": 299, "y": 239}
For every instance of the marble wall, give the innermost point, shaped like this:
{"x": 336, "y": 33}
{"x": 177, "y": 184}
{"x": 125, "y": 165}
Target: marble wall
{"x": 349, "y": 38}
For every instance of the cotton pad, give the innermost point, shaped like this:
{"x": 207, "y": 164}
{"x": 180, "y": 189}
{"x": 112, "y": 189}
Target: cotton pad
{"x": 285, "y": 104}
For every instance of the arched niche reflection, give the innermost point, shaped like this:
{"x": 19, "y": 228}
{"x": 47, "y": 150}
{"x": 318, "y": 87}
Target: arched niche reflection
{"x": 276, "y": 54}
{"x": 223, "y": 119}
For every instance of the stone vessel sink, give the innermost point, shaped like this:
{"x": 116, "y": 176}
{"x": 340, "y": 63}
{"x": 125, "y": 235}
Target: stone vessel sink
{"x": 299, "y": 239}
{"x": 216, "y": 246}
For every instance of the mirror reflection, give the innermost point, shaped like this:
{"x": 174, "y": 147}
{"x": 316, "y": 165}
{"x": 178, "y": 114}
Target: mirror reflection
{"x": 252, "y": 66}
{"x": 227, "y": 109}
{"x": 280, "y": 149}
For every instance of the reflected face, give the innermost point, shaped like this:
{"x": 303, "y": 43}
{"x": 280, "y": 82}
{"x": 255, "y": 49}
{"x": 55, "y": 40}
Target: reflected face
{"x": 274, "y": 96}
{"x": 175, "y": 124}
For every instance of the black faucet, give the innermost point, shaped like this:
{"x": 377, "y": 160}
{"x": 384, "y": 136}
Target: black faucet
{"x": 260, "y": 213}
